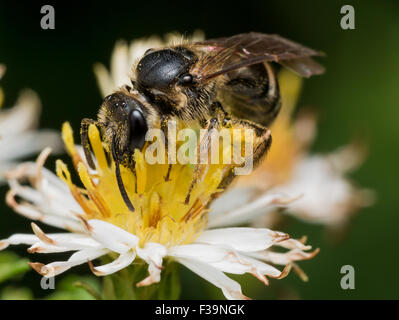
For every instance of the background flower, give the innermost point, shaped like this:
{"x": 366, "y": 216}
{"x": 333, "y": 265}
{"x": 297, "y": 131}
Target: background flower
{"x": 19, "y": 137}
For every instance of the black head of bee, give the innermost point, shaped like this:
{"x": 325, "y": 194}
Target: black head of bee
{"x": 124, "y": 118}
{"x": 162, "y": 69}
{"x": 123, "y": 124}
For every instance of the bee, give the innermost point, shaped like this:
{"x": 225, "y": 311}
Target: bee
{"x": 213, "y": 82}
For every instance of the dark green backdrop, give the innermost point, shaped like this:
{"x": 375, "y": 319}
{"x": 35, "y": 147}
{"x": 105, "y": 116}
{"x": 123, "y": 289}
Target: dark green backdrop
{"x": 357, "y": 96}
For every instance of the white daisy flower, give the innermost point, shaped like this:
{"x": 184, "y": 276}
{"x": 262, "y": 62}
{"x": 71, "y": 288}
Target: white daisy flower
{"x": 161, "y": 228}
{"x": 19, "y": 136}
{"x": 316, "y": 184}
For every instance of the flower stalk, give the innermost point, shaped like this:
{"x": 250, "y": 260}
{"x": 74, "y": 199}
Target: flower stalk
{"x": 122, "y": 285}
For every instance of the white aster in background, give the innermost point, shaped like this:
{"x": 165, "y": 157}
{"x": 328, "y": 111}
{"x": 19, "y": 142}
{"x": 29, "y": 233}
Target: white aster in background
{"x": 162, "y": 227}
{"x": 316, "y": 186}
{"x": 19, "y": 136}
{"x": 328, "y": 197}
{"x": 125, "y": 56}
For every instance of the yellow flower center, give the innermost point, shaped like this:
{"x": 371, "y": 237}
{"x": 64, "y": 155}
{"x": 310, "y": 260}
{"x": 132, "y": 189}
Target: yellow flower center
{"x": 161, "y": 214}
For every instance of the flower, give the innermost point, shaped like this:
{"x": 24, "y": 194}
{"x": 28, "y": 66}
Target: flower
{"x": 125, "y": 57}
{"x": 315, "y": 186}
{"x": 18, "y": 135}
{"x": 162, "y": 227}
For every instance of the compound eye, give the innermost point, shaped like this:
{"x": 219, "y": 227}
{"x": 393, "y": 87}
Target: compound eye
{"x": 138, "y": 129}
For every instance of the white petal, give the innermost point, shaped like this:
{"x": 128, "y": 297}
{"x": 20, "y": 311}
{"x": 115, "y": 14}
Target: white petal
{"x": 120, "y": 64}
{"x": 245, "y": 209}
{"x": 328, "y": 197}
{"x": 111, "y": 236}
{"x": 203, "y": 252}
{"x": 231, "y": 289}
{"x": 17, "y": 239}
{"x": 23, "y": 116}
{"x": 283, "y": 258}
{"x": 4, "y": 167}
{"x": 240, "y": 264}
{"x": 138, "y": 47}
{"x": 153, "y": 254}
{"x": 104, "y": 80}
{"x": 50, "y": 200}
{"x": 73, "y": 241}
{"x": 294, "y": 244}
{"x": 225, "y": 259}
{"x": 27, "y": 193}
{"x": 242, "y": 239}
{"x": 41, "y": 247}
{"x": 232, "y": 199}
{"x": 39, "y": 213}
{"x": 120, "y": 263}
{"x": 80, "y": 257}
{"x": 28, "y": 143}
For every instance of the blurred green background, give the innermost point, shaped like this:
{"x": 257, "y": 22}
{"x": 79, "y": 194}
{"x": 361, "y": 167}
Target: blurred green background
{"x": 358, "y": 96}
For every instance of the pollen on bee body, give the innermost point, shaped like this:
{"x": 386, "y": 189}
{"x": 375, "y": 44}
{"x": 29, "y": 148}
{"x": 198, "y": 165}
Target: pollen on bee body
{"x": 157, "y": 191}
{"x": 223, "y": 145}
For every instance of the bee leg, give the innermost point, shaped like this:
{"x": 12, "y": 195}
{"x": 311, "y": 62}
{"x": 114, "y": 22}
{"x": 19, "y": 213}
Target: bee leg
{"x": 164, "y": 128}
{"x": 204, "y": 145}
{"x": 218, "y": 111}
{"x": 118, "y": 175}
{"x": 262, "y": 139}
{"x": 262, "y": 143}
{"x": 84, "y": 138}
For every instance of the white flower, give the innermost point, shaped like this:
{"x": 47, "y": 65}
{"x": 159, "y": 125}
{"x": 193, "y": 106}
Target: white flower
{"x": 162, "y": 226}
{"x": 327, "y": 195}
{"x": 18, "y": 135}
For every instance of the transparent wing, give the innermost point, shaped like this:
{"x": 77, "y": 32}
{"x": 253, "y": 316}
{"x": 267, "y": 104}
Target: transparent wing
{"x": 232, "y": 53}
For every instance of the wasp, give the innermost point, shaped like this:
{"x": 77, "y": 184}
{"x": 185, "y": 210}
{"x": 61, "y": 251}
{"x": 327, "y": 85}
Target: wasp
{"x": 213, "y": 82}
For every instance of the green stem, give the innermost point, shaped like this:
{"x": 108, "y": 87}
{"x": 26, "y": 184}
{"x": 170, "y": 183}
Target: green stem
{"x": 89, "y": 289}
{"x": 122, "y": 285}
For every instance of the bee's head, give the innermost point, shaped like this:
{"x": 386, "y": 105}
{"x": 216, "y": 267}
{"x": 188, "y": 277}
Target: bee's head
{"x": 123, "y": 122}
